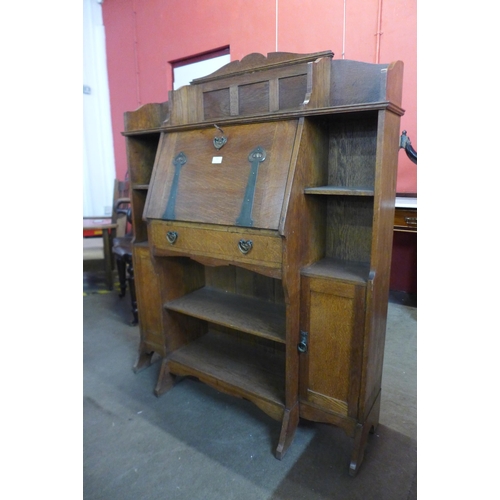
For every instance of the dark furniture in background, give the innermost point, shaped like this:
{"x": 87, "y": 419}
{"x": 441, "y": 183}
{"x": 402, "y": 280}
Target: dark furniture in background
{"x": 404, "y": 248}
{"x": 122, "y": 252}
{"x": 99, "y": 232}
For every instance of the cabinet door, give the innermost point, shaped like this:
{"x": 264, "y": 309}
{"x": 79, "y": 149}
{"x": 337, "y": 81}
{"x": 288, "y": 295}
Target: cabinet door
{"x": 332, "y": 315}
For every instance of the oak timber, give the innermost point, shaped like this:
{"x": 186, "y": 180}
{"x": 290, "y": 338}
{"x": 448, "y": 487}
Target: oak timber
{"x": 226, "y": 298}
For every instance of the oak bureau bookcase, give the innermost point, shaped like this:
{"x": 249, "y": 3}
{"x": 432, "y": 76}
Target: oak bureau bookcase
{"x": 263, "y": 208}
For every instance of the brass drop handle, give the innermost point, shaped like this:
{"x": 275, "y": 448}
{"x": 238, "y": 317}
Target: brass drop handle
{"x": 411, "y": 221}
{"x": 245, "y": 246}
{"x": 172, "y": 237}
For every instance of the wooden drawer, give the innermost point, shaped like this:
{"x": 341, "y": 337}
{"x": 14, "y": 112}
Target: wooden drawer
{"x": 405, "y": 219}
{"x": 219, "y": 242}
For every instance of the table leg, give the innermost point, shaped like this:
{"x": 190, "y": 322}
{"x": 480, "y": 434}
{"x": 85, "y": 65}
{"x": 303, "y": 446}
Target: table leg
{"x": 106, "y": 236}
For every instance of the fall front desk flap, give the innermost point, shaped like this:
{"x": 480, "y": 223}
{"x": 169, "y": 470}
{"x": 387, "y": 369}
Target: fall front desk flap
{"x": 235, "y": 176}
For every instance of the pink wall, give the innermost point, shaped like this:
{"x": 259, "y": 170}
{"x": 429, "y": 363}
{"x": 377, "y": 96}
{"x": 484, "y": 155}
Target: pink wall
{"x": 142, "y": 36}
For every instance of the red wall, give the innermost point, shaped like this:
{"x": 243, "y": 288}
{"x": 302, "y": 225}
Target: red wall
{"x": 142, "y": 36}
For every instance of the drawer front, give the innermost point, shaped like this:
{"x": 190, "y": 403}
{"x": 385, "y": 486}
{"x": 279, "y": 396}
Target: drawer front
{"x": 405, "y": 219}
{"x": 226, "y": 244}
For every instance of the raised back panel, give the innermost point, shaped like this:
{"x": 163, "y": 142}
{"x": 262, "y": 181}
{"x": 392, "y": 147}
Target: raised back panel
{"x": 253, "y": 98}
{"x": 216, "y": 104}
{"x": 292, "y": 91}
{"x": 255, "y": 85}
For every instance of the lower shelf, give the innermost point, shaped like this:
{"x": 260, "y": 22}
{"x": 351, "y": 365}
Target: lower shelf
{"x": 237, "y": 367}
{"x": 246, "y": 314}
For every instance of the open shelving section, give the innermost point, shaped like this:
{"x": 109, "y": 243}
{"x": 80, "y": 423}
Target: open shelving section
{"x": 235, "y": 366}
{"x": 234, "y": 311}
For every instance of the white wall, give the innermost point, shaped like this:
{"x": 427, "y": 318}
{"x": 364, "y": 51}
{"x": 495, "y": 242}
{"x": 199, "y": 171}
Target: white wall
{"x": 98, "y": 157}
{"x": 183, "y": 75}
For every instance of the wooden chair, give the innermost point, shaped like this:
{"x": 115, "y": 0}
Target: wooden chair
{"x": 108, "y": 227}
{"x": 122, "y": 252}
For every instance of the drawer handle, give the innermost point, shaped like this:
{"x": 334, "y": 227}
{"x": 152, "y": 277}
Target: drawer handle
{"x": 245, "y": 246}
{"x": 411, "y": 221}
{"x": 172, "y": 237}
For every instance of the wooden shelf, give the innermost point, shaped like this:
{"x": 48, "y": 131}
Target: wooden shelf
{"x": 338, "y": 190}
{"x": 246, "y": 314}
{"x": 235, "y": 366}
{"x": 352, "y": 272}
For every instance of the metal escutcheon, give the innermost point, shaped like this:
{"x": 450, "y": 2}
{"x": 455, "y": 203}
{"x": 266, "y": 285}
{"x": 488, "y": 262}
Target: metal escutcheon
{"x": 245, "y": 246}
{"x": 302, "y": 345}
{"x": 219, "y": 141}
{"x": 172, "y": 237}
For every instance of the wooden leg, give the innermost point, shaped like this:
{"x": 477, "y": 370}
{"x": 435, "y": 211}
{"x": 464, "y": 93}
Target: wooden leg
{"x": 361, "y": 437}
{"x": 108, "y": 258}
{"x": 165, "y": 380}
{"x": 144, "y": 359}
{"x": 131, "y": 287}
{"x": 120, "y": 265}
{"x": 288, "y": 428}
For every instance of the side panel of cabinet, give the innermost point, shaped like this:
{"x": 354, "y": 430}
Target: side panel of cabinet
{"x": 332, "y": 314}
{"x": 148, "y": 300}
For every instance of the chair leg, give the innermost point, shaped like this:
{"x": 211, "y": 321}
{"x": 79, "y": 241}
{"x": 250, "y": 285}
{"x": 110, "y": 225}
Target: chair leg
{"x": 120, "y": 265}
{"x": 108, "y": 258}
{"x": 131, "y": 286}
